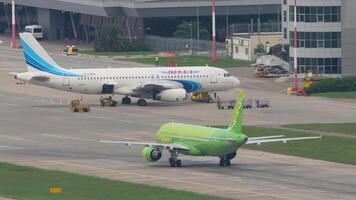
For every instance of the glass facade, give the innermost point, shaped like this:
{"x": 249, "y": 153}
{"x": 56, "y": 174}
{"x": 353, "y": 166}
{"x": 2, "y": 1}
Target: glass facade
{"x": 318, "y": 65}
{"x": 314, "y": 14}
{"x": 317, "y": 39}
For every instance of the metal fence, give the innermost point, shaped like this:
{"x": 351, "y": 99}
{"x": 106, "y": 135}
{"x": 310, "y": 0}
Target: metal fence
{"x": 255, "y": 28}
{"x": 180, "y": 45}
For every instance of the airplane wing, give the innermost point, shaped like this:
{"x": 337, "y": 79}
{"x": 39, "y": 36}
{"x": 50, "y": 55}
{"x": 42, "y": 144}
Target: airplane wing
{"x": 148, "y": 144}
{"x": 270, "y": 139}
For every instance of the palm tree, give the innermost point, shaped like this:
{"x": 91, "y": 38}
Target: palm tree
{"x": 189, "y": 29}
{"x": 110, "y": 39}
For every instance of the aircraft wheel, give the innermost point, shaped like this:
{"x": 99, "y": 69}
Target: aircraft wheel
{"x": 142, "y": 102}
{"x": 172, "y": 163}
{"x": 126, "y": 100}
{"x": 227, "y": 162}
{"x": 178, "y": 163}
{"x": 222, "y": 162}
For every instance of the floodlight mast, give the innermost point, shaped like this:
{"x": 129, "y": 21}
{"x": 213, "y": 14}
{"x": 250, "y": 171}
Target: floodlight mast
{"x": 13, "y": 42}
{"x": 214, "y": 32}
{"x": 295, "y": 87}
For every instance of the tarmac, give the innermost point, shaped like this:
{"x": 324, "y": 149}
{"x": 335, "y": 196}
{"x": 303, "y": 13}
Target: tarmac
{"x": 38, "y": 130}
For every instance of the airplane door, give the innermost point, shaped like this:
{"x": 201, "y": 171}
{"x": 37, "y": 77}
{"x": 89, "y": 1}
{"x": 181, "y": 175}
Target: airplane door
{"x": 66, "y": 81}
{"x": 213, "y": 77}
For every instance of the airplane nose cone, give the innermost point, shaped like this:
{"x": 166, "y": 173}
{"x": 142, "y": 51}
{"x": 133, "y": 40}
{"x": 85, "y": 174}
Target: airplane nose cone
{"x": 236, "y": 82}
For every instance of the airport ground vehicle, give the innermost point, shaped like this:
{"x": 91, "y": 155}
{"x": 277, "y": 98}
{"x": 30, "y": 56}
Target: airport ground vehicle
{"x": 248, "y": 103}
{"x": 202, "y": 97}
{"x": 310, "y": 79}
{"x": 262, "y": 103}
{"x": 195, "y": 140}
{"x": 108, "y": 101}
{"x": 35, "y": 30}
{"x": 225, "y": 104}
{"x": 77, "y": 105}
{"x": 270, "y": 71}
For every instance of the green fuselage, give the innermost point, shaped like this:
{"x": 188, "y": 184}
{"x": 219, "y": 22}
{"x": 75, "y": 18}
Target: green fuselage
{"x": 201, "y": 141}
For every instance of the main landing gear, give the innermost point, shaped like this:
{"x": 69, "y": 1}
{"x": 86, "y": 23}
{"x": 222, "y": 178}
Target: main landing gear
{"x": 226, "y": 160}
{"x": 126, "y": 100}
{"x": 173, "y": 161}
{"x": 142, "y": 102}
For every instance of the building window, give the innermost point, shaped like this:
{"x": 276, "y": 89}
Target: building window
{"x": 317, "y": 39}
{"x": 318, "y": 65}
{"x": 313, "y": 14}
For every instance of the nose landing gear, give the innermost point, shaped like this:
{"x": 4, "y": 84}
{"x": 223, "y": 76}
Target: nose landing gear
{"x": 142, "y": 102}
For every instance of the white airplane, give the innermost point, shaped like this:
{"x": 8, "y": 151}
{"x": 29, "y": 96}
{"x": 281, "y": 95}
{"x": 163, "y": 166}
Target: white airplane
{"x": 159, "y": 83}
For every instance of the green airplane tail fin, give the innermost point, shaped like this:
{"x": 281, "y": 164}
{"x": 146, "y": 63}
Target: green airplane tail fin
{"x": 236, "y": 121}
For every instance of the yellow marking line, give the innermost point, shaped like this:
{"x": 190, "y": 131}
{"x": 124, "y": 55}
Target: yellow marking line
{"x": 223, "y": 188}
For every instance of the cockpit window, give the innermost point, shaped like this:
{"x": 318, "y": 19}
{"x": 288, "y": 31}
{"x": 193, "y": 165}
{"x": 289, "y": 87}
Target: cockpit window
{"x": 227, "y": 75}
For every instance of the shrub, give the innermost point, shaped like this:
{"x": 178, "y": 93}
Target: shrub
{"x": 135, "y": 46}
{"x": 110, "y": 39}
{"x": 346, "y": 84}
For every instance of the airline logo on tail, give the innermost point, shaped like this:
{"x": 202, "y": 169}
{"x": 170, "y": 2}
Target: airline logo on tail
{"x": 38, "y": 59}
{"x": 236, "y": 121}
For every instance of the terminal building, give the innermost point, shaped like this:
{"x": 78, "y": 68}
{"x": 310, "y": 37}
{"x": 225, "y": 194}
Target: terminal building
{"x": 63, "y": 18}
{"x": 325, "y": 38}
{"x": 327, "y": 27}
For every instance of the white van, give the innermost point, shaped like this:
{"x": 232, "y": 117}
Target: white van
{"x": 35, "y": 30}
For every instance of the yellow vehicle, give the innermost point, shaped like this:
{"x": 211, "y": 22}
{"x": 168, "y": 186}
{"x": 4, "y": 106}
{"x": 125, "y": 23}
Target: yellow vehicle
{"x": 77, "y": 105}
{"x": 201, "y": 97}
{"x": 310, "y": 78}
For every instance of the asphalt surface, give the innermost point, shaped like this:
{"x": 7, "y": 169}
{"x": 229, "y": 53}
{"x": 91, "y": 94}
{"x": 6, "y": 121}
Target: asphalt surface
{"x": 37, "y": 129}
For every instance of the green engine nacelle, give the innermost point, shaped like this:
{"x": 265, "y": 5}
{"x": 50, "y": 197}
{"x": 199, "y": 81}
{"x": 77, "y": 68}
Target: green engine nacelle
{"x": 150, "y": 154}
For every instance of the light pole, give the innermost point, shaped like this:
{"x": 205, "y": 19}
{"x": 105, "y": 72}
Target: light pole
{"x": 295, "y": 87}
{"x": 191, "y": 38}
{"x": 214, "y": 33}
{"x": 13, "y": 42}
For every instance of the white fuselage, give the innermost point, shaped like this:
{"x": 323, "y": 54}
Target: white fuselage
{"x": 126, "y": 80}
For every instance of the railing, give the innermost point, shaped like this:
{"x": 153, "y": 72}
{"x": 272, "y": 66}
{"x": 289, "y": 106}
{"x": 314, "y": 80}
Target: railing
{"x": 181, "y": 45}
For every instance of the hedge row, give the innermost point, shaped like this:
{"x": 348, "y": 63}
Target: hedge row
{"x": 333, "y": 85}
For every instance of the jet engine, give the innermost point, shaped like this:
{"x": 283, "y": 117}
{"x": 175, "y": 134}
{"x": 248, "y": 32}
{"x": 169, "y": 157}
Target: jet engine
{"x": 172, "y": 95}
{"x": 150, "y": 154}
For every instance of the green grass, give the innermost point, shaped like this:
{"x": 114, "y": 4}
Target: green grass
{"x": 338, "y": 95}
{"x": 29, "y": 183}
{"x": 329, "y": 148}
{"x": 335, "y": 149}
{"x": 196, "y": 61}
{"x": 120, "y": 53}
{"x": 345, "y": 128}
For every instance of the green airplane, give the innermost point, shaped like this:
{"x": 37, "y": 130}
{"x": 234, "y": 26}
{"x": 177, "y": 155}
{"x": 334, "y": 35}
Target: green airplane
{"x": 203, "y": 141}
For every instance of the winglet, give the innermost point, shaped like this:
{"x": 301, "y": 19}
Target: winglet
{"x": 236, "y": 121}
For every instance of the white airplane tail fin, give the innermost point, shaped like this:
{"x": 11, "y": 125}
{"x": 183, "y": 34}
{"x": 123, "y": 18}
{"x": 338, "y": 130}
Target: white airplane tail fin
{"x": 37, "y": 59}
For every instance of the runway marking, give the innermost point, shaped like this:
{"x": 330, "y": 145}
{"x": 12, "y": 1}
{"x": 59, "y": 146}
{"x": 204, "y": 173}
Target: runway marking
{"x": 223, "y": 188}
{"x": 8, "y": 147}
{"x": 65, "y": 137}
{"x": 12, "y": 137}
{"x": 115, "y": 136}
